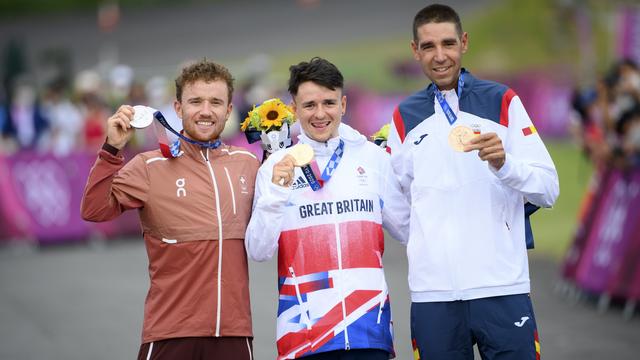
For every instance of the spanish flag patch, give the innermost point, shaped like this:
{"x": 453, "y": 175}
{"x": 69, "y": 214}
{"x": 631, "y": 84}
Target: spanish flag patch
{"x": 529, "y": 130}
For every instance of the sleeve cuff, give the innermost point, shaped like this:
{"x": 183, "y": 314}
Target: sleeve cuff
{"x": 279, "y": 192}
{"x": 107, "y": 154}
{"x": 505, "y": 170}
{"x": 110, "y": 149}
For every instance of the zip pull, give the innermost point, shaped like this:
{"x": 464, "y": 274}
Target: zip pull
{"x": 507, "y": 224}
{"x": 303, "y": 307}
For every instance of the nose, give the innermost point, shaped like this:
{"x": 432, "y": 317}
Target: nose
{"x": 207, "y": 108}
{"x": 320, "y": 112}
{"x": 439, "y": 55}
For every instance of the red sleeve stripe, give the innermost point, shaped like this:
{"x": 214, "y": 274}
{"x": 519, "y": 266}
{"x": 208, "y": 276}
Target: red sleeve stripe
{"x": 504, "y": 109}
{"x": 399, "y": 123}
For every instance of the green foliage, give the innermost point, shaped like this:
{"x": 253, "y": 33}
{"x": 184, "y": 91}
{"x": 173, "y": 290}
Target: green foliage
{"x": 507, "y": 37}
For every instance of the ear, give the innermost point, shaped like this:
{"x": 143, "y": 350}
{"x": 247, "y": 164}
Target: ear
{"x": 229, "y": 109}
{"x": 344, "y": 104}
{"x": 177, "y": 106}
{"x": 465, "y": 42}
{"x": 414, "y": 49}
{"x": 293, "y": 107}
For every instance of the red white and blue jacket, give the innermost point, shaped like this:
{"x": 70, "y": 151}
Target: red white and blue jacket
{"x": 467, "y": 237}
{"x": 330, "y": 242}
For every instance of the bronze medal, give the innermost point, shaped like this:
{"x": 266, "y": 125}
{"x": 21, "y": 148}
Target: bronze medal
{"x": 459, "y": 136}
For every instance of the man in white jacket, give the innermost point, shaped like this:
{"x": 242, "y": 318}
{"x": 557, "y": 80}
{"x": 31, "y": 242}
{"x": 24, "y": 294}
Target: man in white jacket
{"x": 469, "y": 157}
{"x": 333, "y": 299}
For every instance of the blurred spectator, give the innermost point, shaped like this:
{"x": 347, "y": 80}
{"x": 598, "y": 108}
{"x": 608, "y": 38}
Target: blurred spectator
{"x": 94, "y": 117}
{"x": 26, "y": 122}
{"x": 606, "y": 117}
{"x": 120, "y": 80}
{"x": 629, "y": 130}
{"x": 65, "y": 120}
{"x": 137, "y": 94}
{"x": 7, "y": 143}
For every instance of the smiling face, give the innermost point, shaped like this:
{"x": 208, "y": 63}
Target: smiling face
{"x": 204, "y": 108}
{"x": 439, "y": 48}
{"x": 319, "y": 110}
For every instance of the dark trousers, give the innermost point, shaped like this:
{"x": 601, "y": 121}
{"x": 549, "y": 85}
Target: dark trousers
{"x": 503, "y": 327}
{"x": 198, "y": 348}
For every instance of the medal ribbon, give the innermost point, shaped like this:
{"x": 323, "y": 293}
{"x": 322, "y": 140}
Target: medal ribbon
{"x": 174, "y": 149}
{"x": 448, "y": 112}
{"x": 312, "y": 171}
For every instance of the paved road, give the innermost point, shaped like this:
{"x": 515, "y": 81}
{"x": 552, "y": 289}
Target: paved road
{"x": 83, "y": 302}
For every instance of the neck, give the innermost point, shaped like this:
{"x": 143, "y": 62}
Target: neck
{"x": 191, "y": 138}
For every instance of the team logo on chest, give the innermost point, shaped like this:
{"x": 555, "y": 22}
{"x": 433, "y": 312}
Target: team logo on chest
{"x": 243, "y": 185}
{"x": 362, "y": 176}
{"x": 181, "y": 190}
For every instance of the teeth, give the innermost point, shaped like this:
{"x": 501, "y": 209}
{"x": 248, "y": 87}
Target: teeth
{"x": 204, "y": 123}
{"x": 320, "y": 124}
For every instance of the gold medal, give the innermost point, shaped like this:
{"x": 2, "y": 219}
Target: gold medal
{"x": 459, "y": 136}
{"x": 302, "y": 154}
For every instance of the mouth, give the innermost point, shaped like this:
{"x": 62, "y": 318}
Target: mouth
{"x": 204, "y": 123}
{"x": 441, "y": 69}
{"x": 320, "y": 124}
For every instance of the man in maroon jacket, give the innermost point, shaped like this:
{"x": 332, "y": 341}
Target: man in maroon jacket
{"x": 194, "y": 209}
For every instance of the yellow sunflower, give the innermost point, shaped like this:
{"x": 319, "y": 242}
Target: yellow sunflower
{"x": 270, "y": 115}
{"x": 382, "y": 134}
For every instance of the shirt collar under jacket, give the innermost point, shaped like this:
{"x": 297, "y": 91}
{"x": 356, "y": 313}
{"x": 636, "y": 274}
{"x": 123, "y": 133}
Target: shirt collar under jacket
{"x": 195, "y": 151}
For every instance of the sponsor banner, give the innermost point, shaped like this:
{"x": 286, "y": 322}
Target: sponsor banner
{"x": 588, "y": 211}
{"x": 41, "y": 196}
{"x": 14, "y": 219}
{"x": 606, "y": 261}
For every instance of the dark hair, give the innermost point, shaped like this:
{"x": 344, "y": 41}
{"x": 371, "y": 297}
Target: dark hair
{"x": 436, "y": 13}
{"x": 317, "y": 70}
{"x": 207, "y": 71}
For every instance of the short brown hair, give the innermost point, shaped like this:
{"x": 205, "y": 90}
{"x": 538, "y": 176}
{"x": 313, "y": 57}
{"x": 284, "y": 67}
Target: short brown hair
{"x": 436, "y": 13}
{"x": 204, "y": 70}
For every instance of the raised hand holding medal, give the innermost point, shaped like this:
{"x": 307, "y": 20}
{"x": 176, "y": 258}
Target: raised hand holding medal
{"x": 490, "y": 148}
{"x": 299, "y": 155}
{"x": 119, "y": 128}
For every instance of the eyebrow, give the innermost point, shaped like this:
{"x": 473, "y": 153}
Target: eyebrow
{"x": 203, "y": 98}
{"x": 445, "y": 40}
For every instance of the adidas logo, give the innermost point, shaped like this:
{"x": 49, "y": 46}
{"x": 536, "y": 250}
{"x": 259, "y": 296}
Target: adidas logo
{"x": 299, "y": 183}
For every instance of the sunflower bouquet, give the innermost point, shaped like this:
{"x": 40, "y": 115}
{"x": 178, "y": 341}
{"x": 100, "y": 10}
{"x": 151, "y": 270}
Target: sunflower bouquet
{"x": 269, "y": 122}
{"x": 381, "y": 136}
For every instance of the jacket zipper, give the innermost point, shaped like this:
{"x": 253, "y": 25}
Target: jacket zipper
{"x": 215, "y": 189}
{"x": 344, "y": 308}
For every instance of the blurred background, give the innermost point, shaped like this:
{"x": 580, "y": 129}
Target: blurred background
{"x": 75, "y": 290}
